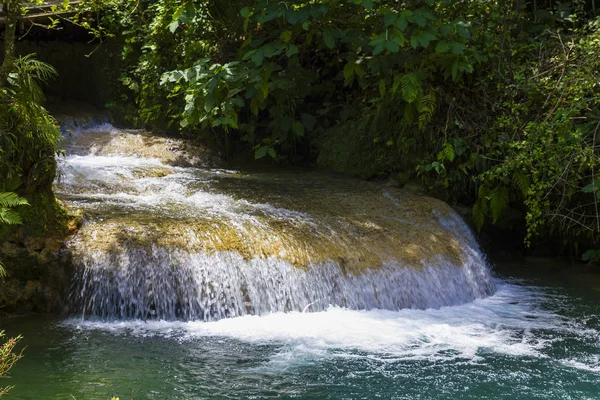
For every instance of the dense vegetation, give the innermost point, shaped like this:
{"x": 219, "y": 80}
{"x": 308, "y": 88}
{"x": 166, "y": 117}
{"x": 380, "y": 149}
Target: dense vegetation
{"x": 8, "y": 358}
{"x": 490, "y": 104}
{"x": 28, "y": 136}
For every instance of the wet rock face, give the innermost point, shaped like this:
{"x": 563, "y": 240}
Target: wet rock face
{"x": 39, "y": 274}
{"x": 139, "y": 143}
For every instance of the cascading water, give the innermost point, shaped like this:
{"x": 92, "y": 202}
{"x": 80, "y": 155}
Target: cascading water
{"x": 167, "y": 235}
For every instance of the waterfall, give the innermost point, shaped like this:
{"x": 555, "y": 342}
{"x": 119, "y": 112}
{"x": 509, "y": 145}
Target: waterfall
{"x": 169, "y": 235}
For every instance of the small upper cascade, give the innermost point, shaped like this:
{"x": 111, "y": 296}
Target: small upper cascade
{"x": 168, "y": 236}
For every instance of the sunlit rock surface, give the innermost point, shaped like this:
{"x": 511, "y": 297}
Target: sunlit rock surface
{"x": 165, "y": 238}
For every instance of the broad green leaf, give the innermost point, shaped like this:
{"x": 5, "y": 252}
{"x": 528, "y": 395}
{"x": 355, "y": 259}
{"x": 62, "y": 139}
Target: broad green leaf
{"x": 308, "y": 121}
{"x": 349, "y": 70}
{"x": 258, "y": 56}
{"x": 261, "y": 152}
{"x": 379, "y": 40}
{"x": 458, "y": 48}
{"x": 401, "y": 23}
{"x": 392, "y": 46}
{"x": 463, "y": 31}
{"x": 293, "y": 49}
{"x": 245, "y": 12}
{"x": 419, "y": 20}
{"x": 264, "y": 88}
{"x": 209, "y": 101}
{"x": 389, "y": 18}
{"x": 589, "y": 255}
{"x": 442, "y": 47}
{"x": 329, "y": 39}
{"x": 292, "y": 16}
{"x": 174, "y": 25}
{"x": 298, "y": 128}
{"x": 378, "y": 49}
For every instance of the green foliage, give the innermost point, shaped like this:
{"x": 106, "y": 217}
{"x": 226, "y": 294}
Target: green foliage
{"x": 28, "y": 134}
{"x": 27, "y": 76}
{"x": 9, "y": 200}
{"x": 286, "y": 72}
{"x": 8, "y": 358}
{"x": 493, "y": 104}
{"x": 8, "y": 216}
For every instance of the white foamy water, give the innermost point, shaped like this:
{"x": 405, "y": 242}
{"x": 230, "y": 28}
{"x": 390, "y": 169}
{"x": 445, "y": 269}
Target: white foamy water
{"x": 172, "y": 284}
{"x": 512, "y": 322}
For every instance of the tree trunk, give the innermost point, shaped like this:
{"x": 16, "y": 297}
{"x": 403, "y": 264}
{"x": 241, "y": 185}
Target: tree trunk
{"x": 11, "y": 13}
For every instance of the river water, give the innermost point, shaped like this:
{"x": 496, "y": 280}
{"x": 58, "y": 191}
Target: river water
{"x": 194, "y": 281}
{"x": 533, "y": 339}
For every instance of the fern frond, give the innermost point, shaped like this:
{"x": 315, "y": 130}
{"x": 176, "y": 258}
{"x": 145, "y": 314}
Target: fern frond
{"x": 410, "y": 86}
{"x": 29, "y": 73}
{"x": 9, "y": 217}
{"x": 447, "y": 152}
{"x": 498, "y": 202}
{"x": 426, "y": 109}
{"x": 10, "y": 199}
{"x": 479, "y": 212}
{"x": 522, "y": 182}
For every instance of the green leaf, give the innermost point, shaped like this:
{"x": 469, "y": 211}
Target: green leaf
{"x": 359, "y": 71}
{"x": 378, "y": 49}
{"x": 245, "y": 12}
{"x": 442, "y": 47}
{"x": 174, "y": 25}
{"x": 463, "y": 31}
{"x": 309, "y": 121}
{"x": 258, "y": 56}
{"x": 401, "y": 23}
{"x": 329, "y": 39}
{"x": 298, "y": 128}
{"x": 455, "y": 69}
{"x": 261, "y": 152}
{"x": 293, "y": 49}
{"x": 349, "y": 70}
{"x": 379, "y": 40}
{"x": 272, "y": 153}
{"x": 592, "y": 187}
{"x": 389, "y": 18}
{"x": 292, "y": 16}
{"x": 414, "y": 41}
{"x": 264, "y": 88}
{"x": 209, "y": 101}
{"x": 392, "y": 46}
{"x": 458, "y": 48}
{"x": 590, "y": 255}
{"x": 419, "y": 20}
